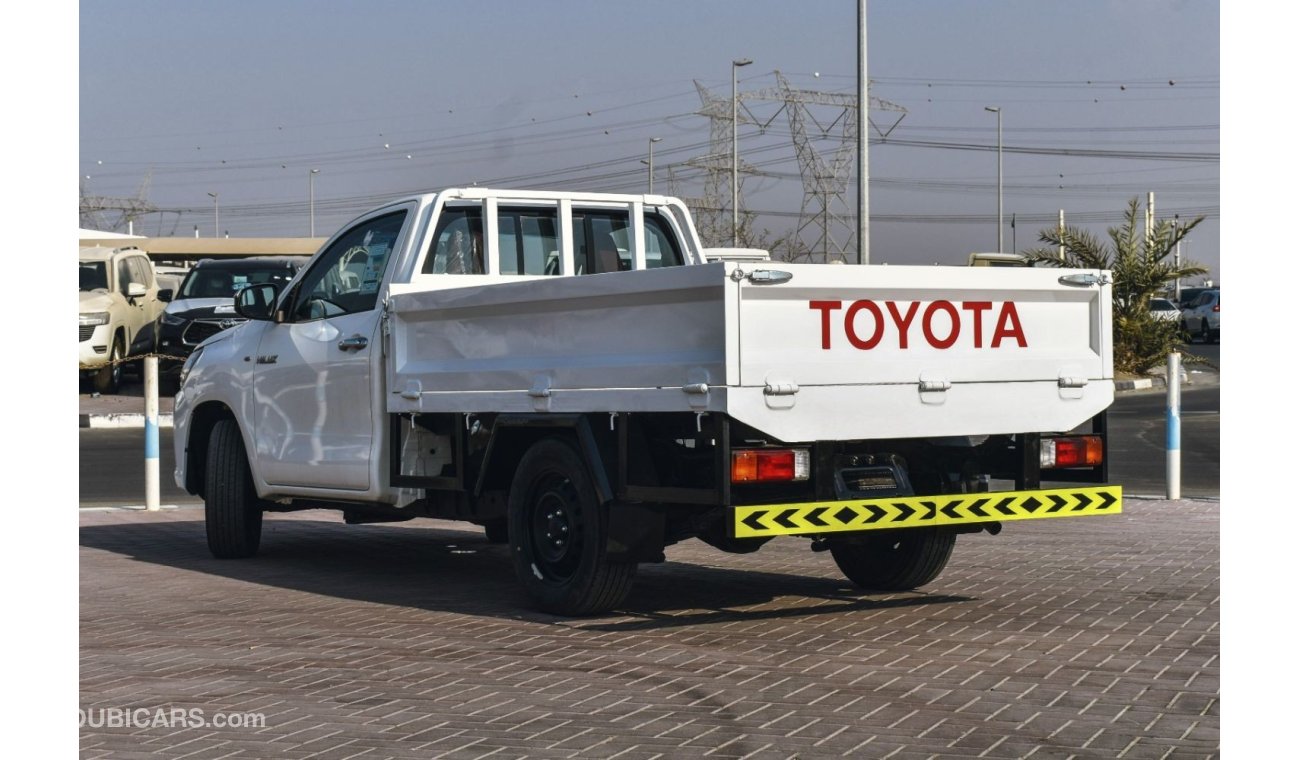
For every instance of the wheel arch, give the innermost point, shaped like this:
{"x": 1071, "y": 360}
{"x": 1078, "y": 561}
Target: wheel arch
{"x": 202, "y": 420}
{"x": 513, "y": 435}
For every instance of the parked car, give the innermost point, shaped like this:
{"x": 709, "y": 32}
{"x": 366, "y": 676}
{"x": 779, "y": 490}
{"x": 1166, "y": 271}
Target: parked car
{"x": 1188, "y": 296}
{"x": 204, "y": 306}
{"x": 1201, "y": 317}
{"x": 118, "y": 295}
{"x": 1163, "y": 308}
{"x": 170, "y": 276}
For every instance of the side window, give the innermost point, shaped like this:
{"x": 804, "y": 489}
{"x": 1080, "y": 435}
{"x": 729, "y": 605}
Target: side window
{"x": 602, "y": 240}
{"x": 123, "y": 275}
{"x": 660, "y": 244}
{"x": 141, "y": 272}
{"x": 527, "y": 241}
{"x": 457, "y": 242}
{"x": 345, "y": 278}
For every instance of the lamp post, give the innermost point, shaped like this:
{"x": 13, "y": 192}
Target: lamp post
{"x": 735, "y": 156}
{"x": 311, "y": 200}
{"x": 864, "y": 108}
{"x": 1178, "y": 264}
{"x": 651, "y": 164}
{"x": 998, "y": 110}
{"x": 216, "y": 215}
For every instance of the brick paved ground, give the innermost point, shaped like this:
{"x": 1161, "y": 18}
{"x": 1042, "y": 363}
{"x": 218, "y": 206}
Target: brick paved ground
{"x": 1089, "y": 638}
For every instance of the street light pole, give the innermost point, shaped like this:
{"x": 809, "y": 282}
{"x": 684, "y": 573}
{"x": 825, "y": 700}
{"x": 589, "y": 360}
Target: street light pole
{"x": 735, "y": 155}
{"x": 864, "y": 110}
{"x": 651, "y": 183}
{"x": 998, "y": 111}
{"x": 311, "y": 200}
{"x": 216, "y": 215}
{"x": 1178, "y": 264}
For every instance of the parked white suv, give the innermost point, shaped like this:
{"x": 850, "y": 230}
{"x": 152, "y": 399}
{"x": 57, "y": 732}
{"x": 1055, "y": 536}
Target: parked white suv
{"x": 1201, "y": 317}
{"x": 118, "y": 295}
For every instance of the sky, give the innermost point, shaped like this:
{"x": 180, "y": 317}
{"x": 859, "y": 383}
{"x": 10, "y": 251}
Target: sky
{"x": 241, "y": 100}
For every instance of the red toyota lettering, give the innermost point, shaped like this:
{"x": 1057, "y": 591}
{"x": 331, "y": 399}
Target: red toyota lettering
{"x": 942, "y": 333}
{"x": 825, "y": 307}
{"x": 1008, "y": 326}
{"x": 852, "y": 334}
{"x": 902, "y": 322}
{"x": 927, "y": 324}
{"x": 978, "y": 308}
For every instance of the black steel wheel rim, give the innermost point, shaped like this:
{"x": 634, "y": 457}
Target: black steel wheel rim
{"x": 555, "y": 522}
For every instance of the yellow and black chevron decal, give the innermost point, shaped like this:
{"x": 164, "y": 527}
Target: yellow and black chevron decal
{"x": 919, "y": 511}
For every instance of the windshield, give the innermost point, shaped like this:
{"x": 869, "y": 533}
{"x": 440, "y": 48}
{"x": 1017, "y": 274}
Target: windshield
{"x": 93, "y": 275}
{"x": 222, "y": 283}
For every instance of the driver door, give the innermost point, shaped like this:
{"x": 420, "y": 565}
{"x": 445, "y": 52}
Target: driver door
{"x": 316, "y": 372}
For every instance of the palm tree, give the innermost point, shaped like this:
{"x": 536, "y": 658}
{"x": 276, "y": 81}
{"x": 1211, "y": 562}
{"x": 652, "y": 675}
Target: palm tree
{"x": 1142, "y": 267}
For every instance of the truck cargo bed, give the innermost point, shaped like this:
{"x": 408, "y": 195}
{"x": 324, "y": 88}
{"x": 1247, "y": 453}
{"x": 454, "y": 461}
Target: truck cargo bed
{"x": 831, "y": 352}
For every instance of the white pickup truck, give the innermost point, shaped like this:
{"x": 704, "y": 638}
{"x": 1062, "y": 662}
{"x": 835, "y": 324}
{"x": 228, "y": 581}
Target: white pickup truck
{"x": 572, "y": 372}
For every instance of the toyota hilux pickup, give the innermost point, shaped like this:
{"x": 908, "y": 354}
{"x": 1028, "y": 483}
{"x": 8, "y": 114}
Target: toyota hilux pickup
{"x": 572, "y": 372}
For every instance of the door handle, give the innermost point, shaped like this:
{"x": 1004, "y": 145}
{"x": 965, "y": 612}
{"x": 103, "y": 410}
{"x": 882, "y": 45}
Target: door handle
{"x": 355, "y": 343}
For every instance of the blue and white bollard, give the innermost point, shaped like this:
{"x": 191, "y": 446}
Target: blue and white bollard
{"x": 151, "y": 495}
{"x": 1173, "y": 428}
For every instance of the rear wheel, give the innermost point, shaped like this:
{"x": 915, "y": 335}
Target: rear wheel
{"x": 232, "y": 511}
{"x": 895, "y": 560}
{"x": 557, "y": 532}
{"x": 109, "y": 379}
{"x": 1208, "y": 335}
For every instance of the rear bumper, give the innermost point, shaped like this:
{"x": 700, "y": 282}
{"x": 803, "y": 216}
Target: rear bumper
{"x": 856, "y": 515}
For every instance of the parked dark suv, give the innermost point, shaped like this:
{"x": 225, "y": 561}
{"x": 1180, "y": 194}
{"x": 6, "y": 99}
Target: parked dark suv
{"x": 204, "y": 305}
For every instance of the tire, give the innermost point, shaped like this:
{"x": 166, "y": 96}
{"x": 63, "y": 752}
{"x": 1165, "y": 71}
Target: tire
{"x": 109, "y": 379}
{"x": 557, "y": 531}
{"x": 232, "y": 511}
{"x": 895, "y": 560}
{"x": 1205, "y": 331}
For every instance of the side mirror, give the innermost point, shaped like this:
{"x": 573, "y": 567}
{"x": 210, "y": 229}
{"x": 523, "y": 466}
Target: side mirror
{"x": 257, "y": 301}
{"x": 136, "y": 290}
{"x": 165, "y": 295}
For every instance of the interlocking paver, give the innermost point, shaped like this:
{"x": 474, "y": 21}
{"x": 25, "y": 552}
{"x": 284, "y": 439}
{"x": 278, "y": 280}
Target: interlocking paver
{"x": 1087, "y": 638}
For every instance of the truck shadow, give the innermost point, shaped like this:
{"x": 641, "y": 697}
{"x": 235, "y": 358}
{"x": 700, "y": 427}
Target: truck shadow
{"x": 459, "y": 571}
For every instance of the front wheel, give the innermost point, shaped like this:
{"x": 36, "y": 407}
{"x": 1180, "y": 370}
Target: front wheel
{"x": 895, "y": 560}
{"x": 232, "y": 511}
{"x": 109, "y": 379}
{"x": 557, "y": 532}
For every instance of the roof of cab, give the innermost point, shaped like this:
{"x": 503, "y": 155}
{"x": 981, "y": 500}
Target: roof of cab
{"x": 100, "y": 253}
{"x": 254, "y": 262}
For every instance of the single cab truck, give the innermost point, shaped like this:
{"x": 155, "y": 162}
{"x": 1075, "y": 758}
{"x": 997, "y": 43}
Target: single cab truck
{"x": 571, "y": 372}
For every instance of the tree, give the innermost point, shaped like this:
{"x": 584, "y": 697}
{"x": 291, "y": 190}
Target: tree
{"x": 1142, "y": 267}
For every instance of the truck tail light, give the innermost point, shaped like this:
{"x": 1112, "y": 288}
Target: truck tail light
{"x": 1073, "y": 451}
{"x": 1216, "y": 307}
{"x": 769, "y": 465}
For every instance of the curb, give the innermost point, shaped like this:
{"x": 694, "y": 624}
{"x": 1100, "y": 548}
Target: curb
{"x": 121, "y": 420}
{"x": 1133, "y": 385}
{"x": 1157, "y": 382}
